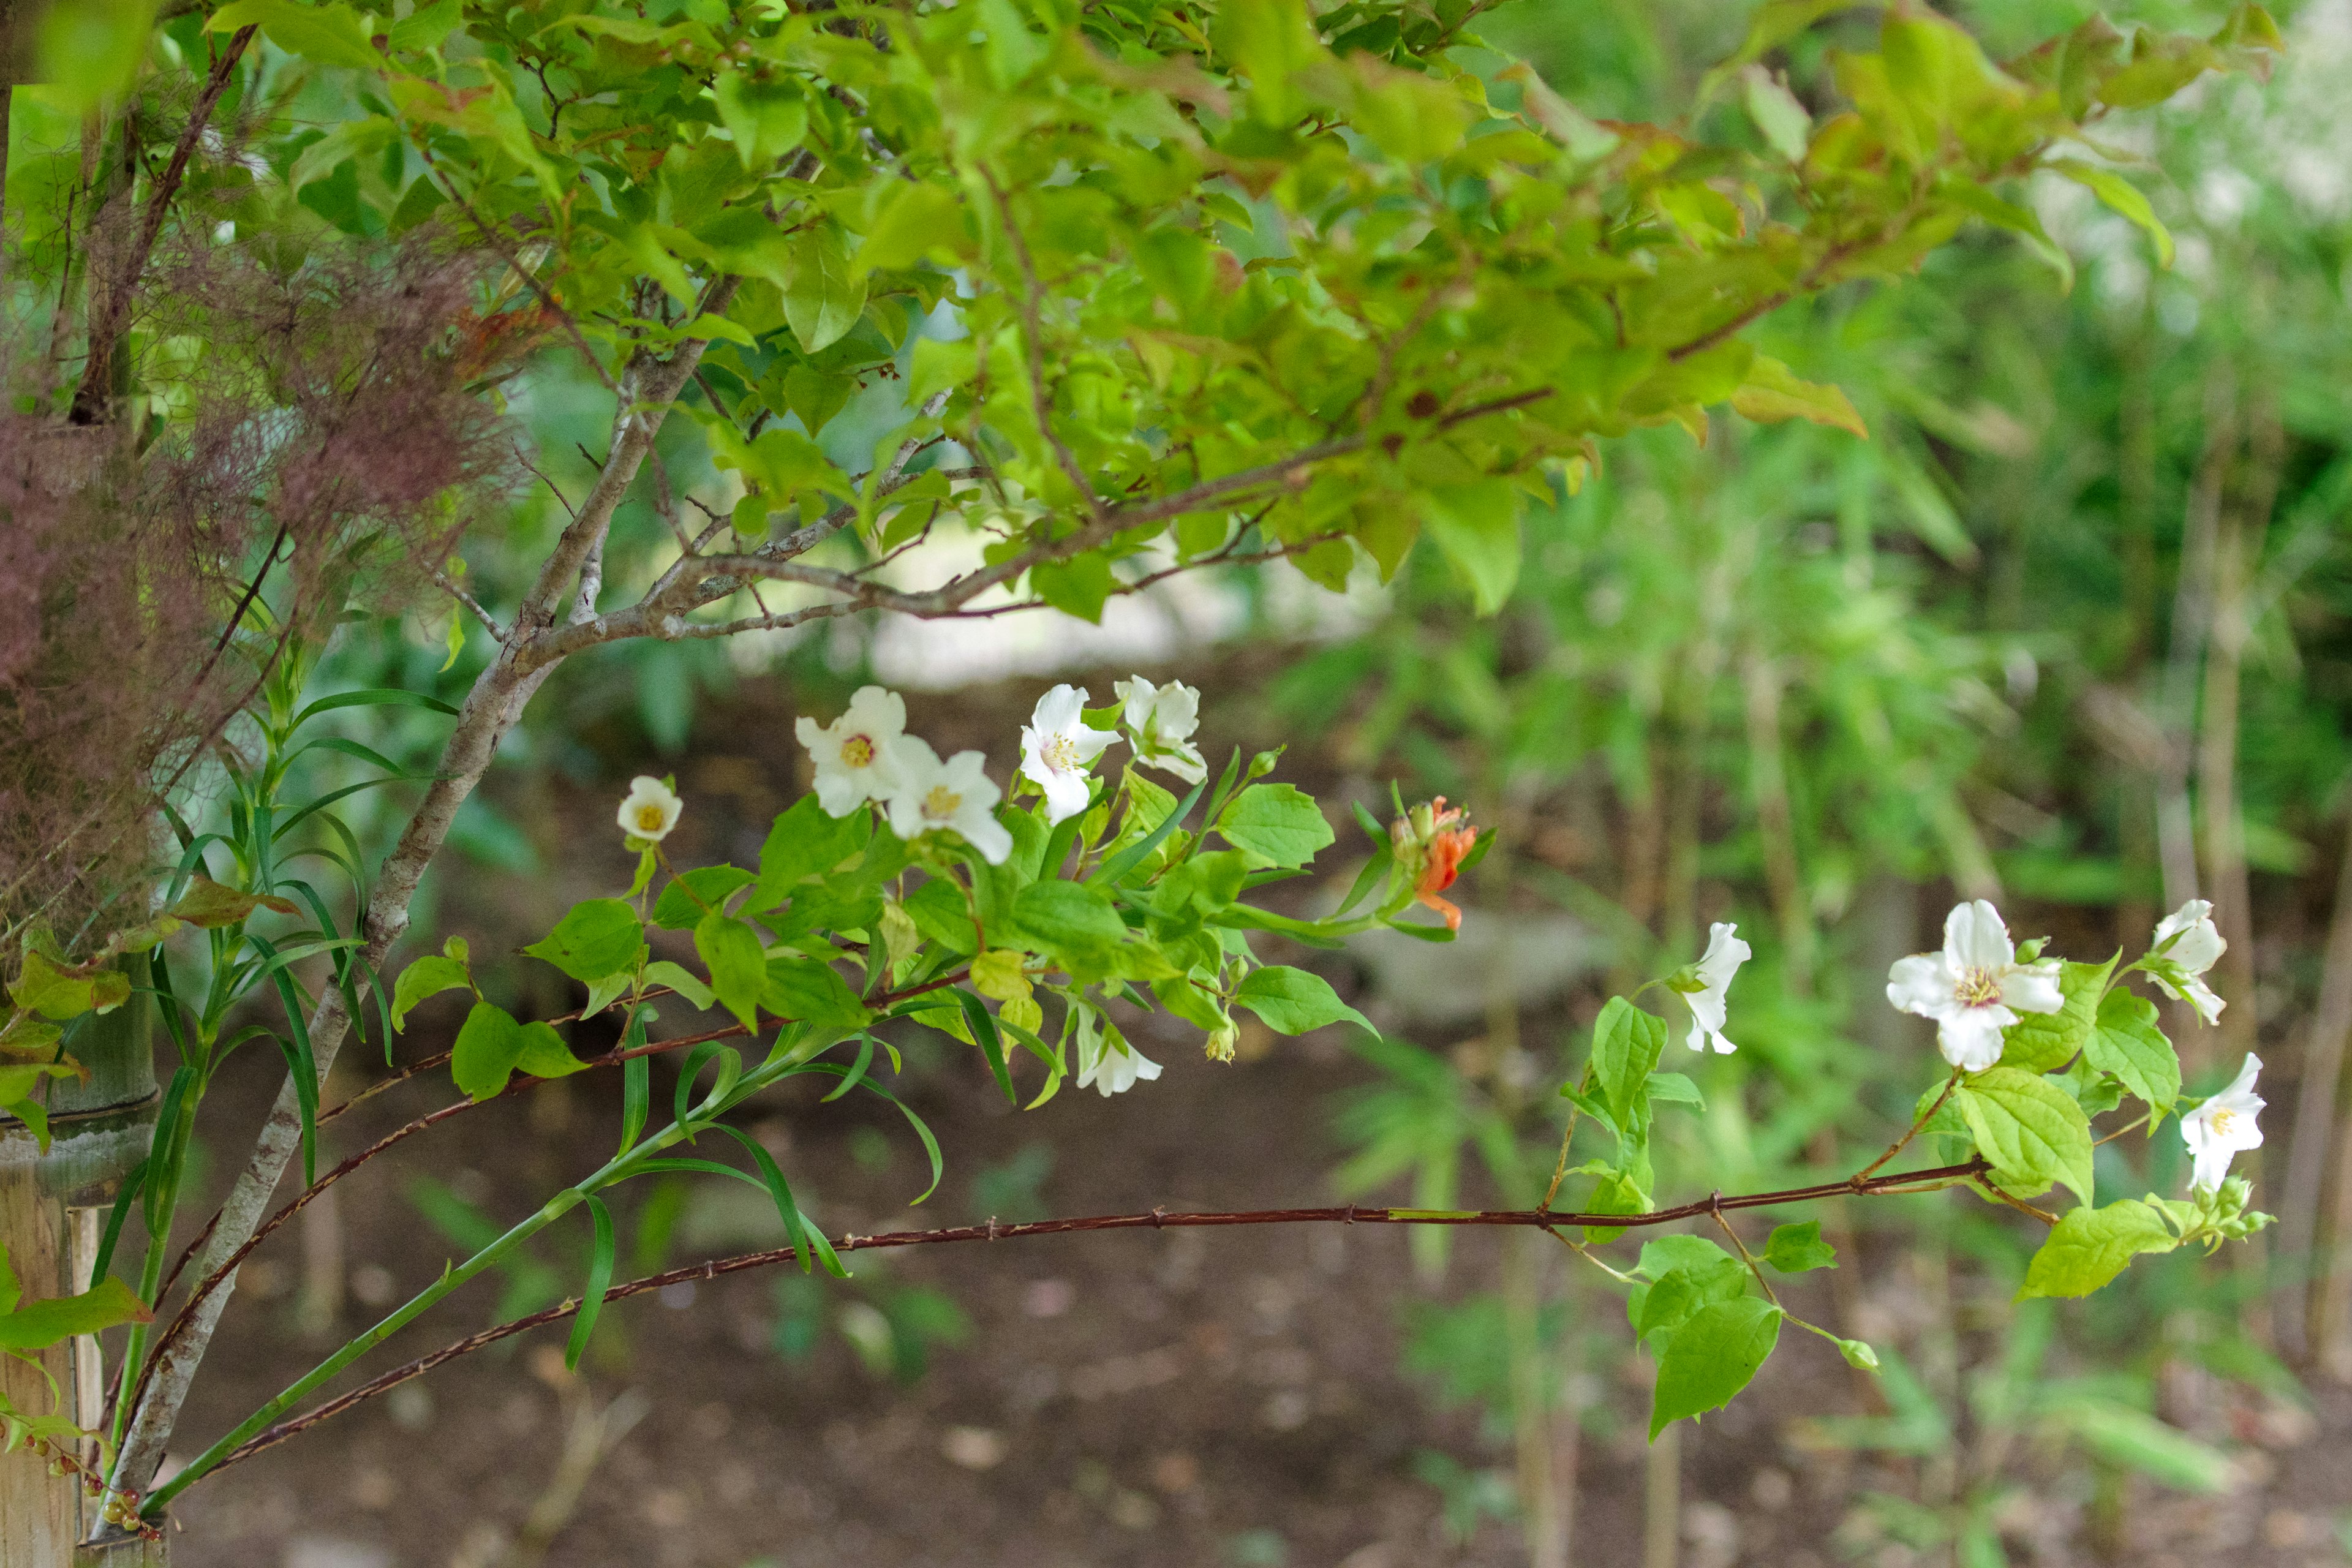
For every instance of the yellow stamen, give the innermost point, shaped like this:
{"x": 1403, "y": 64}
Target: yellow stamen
{"x": 1977, "y": 988}
{"x": 1061, "y": 753}
{"x": 2221, "y": 1122}
{"x": 942, "y": 803}
{"x": 649, "y": 817}
{"x": 857, "y": 751}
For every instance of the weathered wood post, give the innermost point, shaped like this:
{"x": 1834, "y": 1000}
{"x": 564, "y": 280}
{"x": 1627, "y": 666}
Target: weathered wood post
{"x": 53, "y": 1210}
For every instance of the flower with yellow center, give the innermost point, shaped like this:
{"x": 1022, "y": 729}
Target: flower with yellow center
{"x": 650, "y": 810}
{"x": 1975, "y": 987}
{"x": 855, "y": 756}
{"x": 952, "y": 796}
{"x": 2222, "y": 1126}
{"x": 1056, "y": 747}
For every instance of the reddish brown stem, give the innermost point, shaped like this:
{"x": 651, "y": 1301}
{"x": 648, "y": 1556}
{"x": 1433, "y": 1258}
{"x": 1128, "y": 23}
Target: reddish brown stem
{"x": 1156, "y": 1219}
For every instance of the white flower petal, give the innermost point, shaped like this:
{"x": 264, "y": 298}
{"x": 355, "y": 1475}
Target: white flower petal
{"x": 2200, "y": 995}
{"x": 1975, "y": 938}
{"x": 1067, "y": 793}
{"x": 2180, "y": 919}
{"x": 650, "y": 809}
{"x": 1059, "y": 710}
{"x": 2033, "y": 988}
{"x": 1969, "y": 1038}
{"x": 1921, "y": 984}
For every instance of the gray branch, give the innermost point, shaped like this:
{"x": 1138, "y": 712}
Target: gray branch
{"x": 568, "y": 581}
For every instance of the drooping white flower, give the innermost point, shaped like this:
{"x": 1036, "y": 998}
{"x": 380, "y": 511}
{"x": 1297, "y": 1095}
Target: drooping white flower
{"x": 1160, "y": 722}
{"x": 956, "y": 796}
{"x": 650, "y": 810}
{"x": 857, "y": 754}
{"x": 1056, "y": 746}
{"x": 1975, "y": 987}
{"x": 1109, "y": 1062}
{"x": 1725, "y": 954}
{"x": 2185, "y": 946}
{"x": 2223, "y": 1125}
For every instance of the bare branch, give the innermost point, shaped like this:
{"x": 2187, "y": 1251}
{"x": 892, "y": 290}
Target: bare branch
{"x": 1155, "y": 1219}
{"x": 1034, "y": 342}
{"x": 107, "y": 319}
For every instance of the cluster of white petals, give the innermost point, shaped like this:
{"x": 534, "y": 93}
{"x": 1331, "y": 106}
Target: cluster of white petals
{"x": 2186, "y": 945}
{"x": 866, "y": 755}
{"x": 1974, "y": 988}
{"x": 1725, "y": 954}
{"x": 2223, "y": 1126}
{"x": 650, "y": 809}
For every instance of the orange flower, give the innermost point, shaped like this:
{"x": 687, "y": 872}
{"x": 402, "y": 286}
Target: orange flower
{"x": 1432, "y": 841}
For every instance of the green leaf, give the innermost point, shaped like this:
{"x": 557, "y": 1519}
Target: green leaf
{"x": 429, "y": 976}
{"x": 1626, "y": 1045}
{"x": 2042, "y": 1042}
{"x": 2090, "y": 1247}
{"x": 595, "y": 937}
{"x": 59, "y": 992}
{"x": 1711, "y": 1357}
{"x": 921, "y": 220}
{"x": 1476, "y": 527}
{"x": 1799, "y": 1248}
{"x": 600, "y": 1279}
{"x": 209, "y": 904}
{"x": 738, "y": 963}
{"x": 810, "y": 992}
{"x": 680, "y": 979}
{"x": 822, "y": 300}
{"x": 805, "y": 843}
{"x": 1773, "y": 392}
{"x": 2029, "y": 1128}
{"x": 328, "y": 34}
{"x": 767, "y": 118}
{"x": 37, "y": 1325}
{"x": 2128, "y": 1042}
{"x": 1675, "y": 1089}
{"x": 1068, "y": 918}
{"x": 544, "y": 1053}
{"x": 1292, "y": 1001}
{"x": 1276, "y": 824}
{"x": 2122, "y": 197}
{"x": 698, "y": 892}
{"x": 1681, "y": 1293}
{"x": 1784, "y": 121}
{"x": 490, "y": 1047}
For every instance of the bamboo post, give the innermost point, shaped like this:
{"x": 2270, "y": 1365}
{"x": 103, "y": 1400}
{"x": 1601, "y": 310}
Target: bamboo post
{"x": 53, "y": 1210}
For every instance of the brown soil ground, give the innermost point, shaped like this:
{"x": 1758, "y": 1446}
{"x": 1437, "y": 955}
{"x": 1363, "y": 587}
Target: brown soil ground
{"x": 1140, "y": 1399}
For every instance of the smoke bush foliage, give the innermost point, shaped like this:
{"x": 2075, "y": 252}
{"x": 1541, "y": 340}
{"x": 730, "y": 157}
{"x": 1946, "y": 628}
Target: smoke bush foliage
{"x": 321, "y": 421}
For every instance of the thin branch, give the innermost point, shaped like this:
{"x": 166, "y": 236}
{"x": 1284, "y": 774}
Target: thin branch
{"x": 1033, "y": 341}
{"x": 1156, "y": 1219}
{"x": 107, "y": 321}
{"x": 448, "y": 585}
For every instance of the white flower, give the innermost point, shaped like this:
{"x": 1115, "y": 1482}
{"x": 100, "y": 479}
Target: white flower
{"x": 2223, "y": 1125}
{"x": 857, "y": 754}
{"x": 1108, "y": 1062}
{"x": 956, "y": 796}
{"x": 651, "y": 809}
{"x": 1975, "y": 988}
{"x": 1056, "y": 745}
{"x": 2185, "y": 946}
{"x": 1725, "y": 954}
{"x": 1159, "y": 723}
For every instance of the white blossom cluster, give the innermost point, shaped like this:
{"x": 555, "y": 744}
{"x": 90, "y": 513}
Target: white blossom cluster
{"x": 867, "y": 755}
{"x": 1975, "y": 988}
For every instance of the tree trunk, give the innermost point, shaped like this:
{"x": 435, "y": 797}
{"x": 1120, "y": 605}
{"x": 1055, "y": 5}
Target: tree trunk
{"x": 53, "y": 1210}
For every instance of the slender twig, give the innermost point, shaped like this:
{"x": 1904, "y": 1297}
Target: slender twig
{"x": 1902, "y": 1143}
{"x": 1155, "y": 1219}
{"x": 106, "y": 321}
{"x": 1034, "y": 342}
